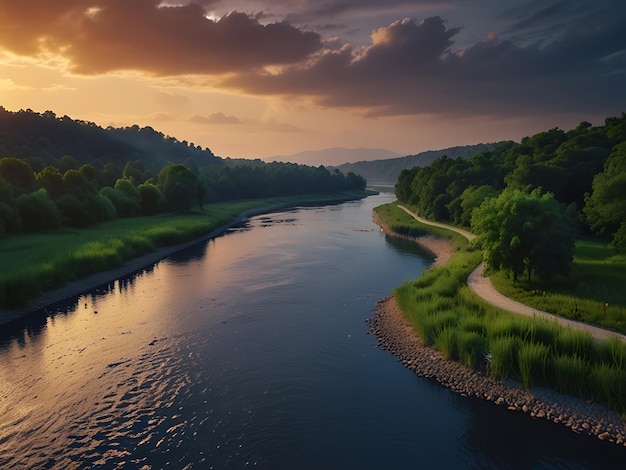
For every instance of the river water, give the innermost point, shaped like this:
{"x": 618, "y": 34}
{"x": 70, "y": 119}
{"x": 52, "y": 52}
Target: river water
{"x": 251, "y": 351}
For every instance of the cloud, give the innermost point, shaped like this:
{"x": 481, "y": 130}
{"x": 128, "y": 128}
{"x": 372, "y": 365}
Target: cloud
{"x": 410, "y": 67}
{"x": 215, "y": 118}
{"x": 103, "y": 36}
{"x": 548, "y": 57}
{"x": 9, "y": 85}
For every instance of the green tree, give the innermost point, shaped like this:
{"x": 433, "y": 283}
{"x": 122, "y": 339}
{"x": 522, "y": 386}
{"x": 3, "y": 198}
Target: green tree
{"x": 76, "y": 184}
{"x": 90, "y": 173}
{"x": 525, "y": 232}
{"x": 152, "y": 199}
{"x": 51, "y": 179}
{"x": 606, "y": 205}
{"x": 179, "y": 186}
{"x": 472, "y": 198}
{"x": 38, "y": 212}
{"x": 18, "y": 174}
{"x": 67, "y": 162}
{"x": 10, "y": 221}
{"x": 110, "y": 174}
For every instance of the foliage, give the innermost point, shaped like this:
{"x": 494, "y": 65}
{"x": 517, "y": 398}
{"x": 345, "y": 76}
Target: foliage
{"x": 606, "y": 205}
{"x": 563, "y": 163}
{"x": 179, "y": 187}
{"x": 18, "y": 174}
{"x": 37, "y": 211}
{"x": 596, "y": 280}
{"x": 522, "y": 232}
{"x": 92, "y": 192}
{"x": 532, "y": 350}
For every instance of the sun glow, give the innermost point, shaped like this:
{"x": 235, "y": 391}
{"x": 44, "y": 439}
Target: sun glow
{"x": 92, "y": 12}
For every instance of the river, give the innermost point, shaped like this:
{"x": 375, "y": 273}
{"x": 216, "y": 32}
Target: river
{"x": 251, "y": 350}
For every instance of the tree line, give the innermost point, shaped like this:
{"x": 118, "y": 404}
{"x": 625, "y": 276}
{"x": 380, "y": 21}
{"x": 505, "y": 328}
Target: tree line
{"x": 526, "y": 201}
{"x": 79, "y": 196}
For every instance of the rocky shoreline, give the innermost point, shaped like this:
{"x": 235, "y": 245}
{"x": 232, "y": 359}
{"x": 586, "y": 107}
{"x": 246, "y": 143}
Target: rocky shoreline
{"x": 396, "y": 335}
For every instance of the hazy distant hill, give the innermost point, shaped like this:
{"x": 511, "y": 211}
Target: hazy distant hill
{"x": 386, "y": 171}
{"x": 333, "y": 156}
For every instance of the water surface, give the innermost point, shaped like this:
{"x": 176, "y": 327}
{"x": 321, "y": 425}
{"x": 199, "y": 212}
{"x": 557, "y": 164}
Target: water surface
{"x": 251, "y": 350}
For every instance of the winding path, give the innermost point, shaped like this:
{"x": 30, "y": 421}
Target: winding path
{"x": 484, "y": 288}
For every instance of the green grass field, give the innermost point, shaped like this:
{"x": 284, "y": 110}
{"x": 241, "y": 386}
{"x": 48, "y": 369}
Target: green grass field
{"x": 595, "y": 292}
{"x": 445, "y": 313}
{"x": 35, "y": 263}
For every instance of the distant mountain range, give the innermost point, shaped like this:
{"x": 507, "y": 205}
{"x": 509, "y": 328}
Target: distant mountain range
{"x": 385, "y": 171}
{"x": 334, "y": 156}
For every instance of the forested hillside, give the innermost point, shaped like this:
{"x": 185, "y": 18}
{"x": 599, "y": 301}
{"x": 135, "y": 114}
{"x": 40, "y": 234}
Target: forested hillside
{"x": 49, "y": 140}
{"x": 386, "y": 171}
{"x": 57, "y": 171}
{"x": 583, "y": 169}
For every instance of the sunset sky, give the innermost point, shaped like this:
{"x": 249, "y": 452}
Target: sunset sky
{"x": 256, "y": 78}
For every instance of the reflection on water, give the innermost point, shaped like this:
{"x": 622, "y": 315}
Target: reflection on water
{"x": 251, "y": 350}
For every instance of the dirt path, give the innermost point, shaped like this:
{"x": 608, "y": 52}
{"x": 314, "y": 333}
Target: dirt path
{"x": 484, "y": 288}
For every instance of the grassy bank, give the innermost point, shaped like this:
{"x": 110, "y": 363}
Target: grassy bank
{"x": 35, "y": 263}
{"x": 446, "y": 314}
{"x": 594, "y": 293}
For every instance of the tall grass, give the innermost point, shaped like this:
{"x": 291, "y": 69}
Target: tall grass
{"x": 471, "y": 347}
{"x": 533, "y": 359}
{"x": 503, "y": 357}
{"x": 571, "y": 374}
{"x": 608, "y": 384}
{"x": 445, "y": 341}
{"x": 534, "y": 350}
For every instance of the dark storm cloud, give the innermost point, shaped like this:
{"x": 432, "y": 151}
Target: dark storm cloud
{"x": 547, "y": 57}
{"x": 411, "y": 68}
{"x": 99, "y": 36}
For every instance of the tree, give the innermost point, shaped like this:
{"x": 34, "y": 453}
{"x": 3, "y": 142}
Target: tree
{"x": 38, "y": 211}
{"x": 51, "y": 179}
{"x": 606, "y": 205}
{"x": 472, "y": 198}
{"x": 152, "y": 200}
{"x": 10, "y": 221}
{"x": 18, "y": 174}
{"x": 525, "y": 232}
{"x": 179, "y": 186}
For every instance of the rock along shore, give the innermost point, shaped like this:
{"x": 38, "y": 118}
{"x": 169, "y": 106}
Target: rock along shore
{"x": 395, "y": 334}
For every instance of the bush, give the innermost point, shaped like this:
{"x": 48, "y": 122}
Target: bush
{"x": 38, "y": 211}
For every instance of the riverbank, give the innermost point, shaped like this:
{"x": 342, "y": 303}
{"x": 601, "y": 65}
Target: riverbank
{"x": 77, "y": 287}
{"x": 395, "y": 334}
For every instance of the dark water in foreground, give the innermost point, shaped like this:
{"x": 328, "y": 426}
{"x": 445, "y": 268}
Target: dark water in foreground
{"x": 251, "y": 351}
